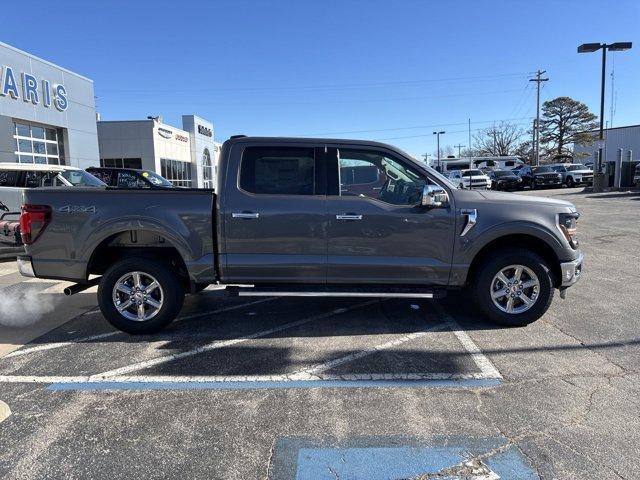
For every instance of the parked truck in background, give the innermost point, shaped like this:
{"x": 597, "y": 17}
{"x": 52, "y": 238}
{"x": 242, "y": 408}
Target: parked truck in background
{"x": 312, "y": 217}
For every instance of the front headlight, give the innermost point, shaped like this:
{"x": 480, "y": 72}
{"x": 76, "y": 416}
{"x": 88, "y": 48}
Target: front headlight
{"x": 560, "y": 176}
{"x": 568, "y": 225}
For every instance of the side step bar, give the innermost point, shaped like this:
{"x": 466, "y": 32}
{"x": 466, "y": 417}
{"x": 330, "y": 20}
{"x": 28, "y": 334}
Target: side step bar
{"x": 259, "y": 293}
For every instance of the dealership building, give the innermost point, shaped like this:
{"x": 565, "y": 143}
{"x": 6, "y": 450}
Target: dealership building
{"x": 47, "y": 113}
{"x": 185, "y": 156}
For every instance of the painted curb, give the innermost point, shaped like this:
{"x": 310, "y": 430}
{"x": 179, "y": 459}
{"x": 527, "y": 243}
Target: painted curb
{"x": 5, "y": 411}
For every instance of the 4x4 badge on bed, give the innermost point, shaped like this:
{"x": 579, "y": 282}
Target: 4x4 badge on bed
{"x": 77, "y": 209}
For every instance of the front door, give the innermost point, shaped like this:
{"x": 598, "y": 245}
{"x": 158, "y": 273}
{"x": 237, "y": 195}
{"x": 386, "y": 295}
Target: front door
{"x": 378, "y": 233}
{"x": 275, "y": 215}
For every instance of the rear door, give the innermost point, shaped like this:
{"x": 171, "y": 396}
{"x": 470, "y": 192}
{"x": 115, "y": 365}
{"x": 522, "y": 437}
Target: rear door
{"x": 274, "y": 214}
{"x": 378, "y": 232}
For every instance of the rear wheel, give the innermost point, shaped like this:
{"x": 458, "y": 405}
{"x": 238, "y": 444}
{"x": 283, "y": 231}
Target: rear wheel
{"x": 513, "y": 288}
{"x": 140, "y": 295}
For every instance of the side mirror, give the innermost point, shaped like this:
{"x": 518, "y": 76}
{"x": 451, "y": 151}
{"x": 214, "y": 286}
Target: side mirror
{"x": 433, "y": 196}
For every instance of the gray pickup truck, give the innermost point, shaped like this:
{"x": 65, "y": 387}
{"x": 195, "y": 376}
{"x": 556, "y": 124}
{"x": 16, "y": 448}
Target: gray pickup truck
{"x": 303, "y": 217}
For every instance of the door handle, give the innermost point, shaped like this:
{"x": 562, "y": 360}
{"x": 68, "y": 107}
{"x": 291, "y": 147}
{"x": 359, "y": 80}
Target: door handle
{"x": 245, "y": 215}
{"x": 348, "y": 217}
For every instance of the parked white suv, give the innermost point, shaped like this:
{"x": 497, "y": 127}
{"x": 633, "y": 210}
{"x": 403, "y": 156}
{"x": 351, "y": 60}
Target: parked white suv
{"x": 14, "y": 177}
{"x": 470, "y": 179}
{"x": 574, "y": 173}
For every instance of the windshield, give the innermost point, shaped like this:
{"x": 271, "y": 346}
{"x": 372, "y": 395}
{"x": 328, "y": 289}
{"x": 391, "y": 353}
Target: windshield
{"x": 156, "y": 180}
{"x": 543, "y": 170}
{"x": 573, "y": 168}
{"x": 80, "y": 178}
{"x": 470, "y": 173}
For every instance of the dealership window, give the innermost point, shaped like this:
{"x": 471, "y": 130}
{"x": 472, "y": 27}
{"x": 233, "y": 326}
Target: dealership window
{"x": 121, "y": 163}
{"x": 278, "y": 171}
{"x": 177, "y": 172}
{"x": 207, "y": 169}
{"x": 38, "y": 144}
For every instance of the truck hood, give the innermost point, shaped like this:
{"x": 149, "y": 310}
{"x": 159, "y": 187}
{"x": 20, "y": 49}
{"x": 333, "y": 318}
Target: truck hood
{"x": 512, "y": 198}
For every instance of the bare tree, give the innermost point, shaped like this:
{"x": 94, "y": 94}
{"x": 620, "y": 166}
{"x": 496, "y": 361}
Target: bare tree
{"x": 499, "y": 140}
{"x": 565, "y": 121}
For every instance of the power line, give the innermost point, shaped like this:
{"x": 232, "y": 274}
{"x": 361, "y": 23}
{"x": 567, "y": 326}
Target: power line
{"x": 538, "y": 80}
{"x": 435, "y": 125}
{"x": 328, "y": 86}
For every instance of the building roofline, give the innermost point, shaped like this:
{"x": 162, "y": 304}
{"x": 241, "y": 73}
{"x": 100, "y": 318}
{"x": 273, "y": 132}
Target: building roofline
{"x": 613, "y": 128}
{"x": 51, "y": 64}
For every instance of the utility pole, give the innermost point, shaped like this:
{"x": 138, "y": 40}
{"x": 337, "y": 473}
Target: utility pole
{"x": 538, "y": 80}
{"x": 533, "y": 142}
{"x": 438, "y": 136}
{"x": 470, "y": 166}
{"x": 459, "y": 147}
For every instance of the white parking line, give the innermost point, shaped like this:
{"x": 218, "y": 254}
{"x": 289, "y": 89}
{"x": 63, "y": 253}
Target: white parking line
{"x": 312, "y": 372}
{"x": 311, "y": 375}
{"x": 51, "y": 346}
{"x": 484, "y": 364}
{"x": 222, "y": 343}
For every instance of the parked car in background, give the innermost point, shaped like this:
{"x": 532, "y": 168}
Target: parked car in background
{"x": 481, "y": 163}
{"x": 504, "y": 180}
{"x": 470, "y": 179}
{"x": 545, "y": 176}
{"x": 14, "y": 177}
{"x": 130, "y": 177}
{"x": 574, "y": 174}
{"x": 636, "y": 176}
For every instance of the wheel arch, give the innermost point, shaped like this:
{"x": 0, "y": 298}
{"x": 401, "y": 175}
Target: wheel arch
{"x": 140, "y": 242}
{"x": 526, "y": 241}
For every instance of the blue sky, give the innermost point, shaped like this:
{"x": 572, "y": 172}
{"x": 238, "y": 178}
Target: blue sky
{"x": 384, "y": 70}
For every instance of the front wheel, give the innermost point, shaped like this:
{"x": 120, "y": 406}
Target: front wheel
{"x": 513, "y": 288}
{"x": 140, "y": 295}
{"x": 570, "y": 182}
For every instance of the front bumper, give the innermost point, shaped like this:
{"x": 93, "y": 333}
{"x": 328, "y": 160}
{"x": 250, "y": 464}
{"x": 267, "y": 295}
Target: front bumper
{"x": 571, "y": 271}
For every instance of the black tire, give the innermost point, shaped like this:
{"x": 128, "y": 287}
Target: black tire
{"x": 534, "y": 186}
{"x": 570, "y": 182}
{"x": 172, "y": 294}
{"x": 486, "y": 272}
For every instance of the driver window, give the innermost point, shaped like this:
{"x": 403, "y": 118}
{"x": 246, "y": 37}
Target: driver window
{"x": 370, "y": 174}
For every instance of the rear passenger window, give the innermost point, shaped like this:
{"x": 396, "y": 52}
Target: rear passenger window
{"x": 130, "y": 180}
{"x": 278, "y": 171}
{"x": 8, "y": 178}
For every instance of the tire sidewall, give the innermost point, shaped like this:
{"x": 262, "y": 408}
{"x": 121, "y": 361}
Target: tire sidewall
{"x": 486, "y": 273}
{"x": 172, "y": 291}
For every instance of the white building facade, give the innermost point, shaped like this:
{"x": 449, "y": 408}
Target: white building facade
{"x": 47, "y": 113}
{"x": 184, "y": 156}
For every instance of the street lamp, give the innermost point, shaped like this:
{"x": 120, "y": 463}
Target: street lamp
{"x": 590, "y": 48}
{"x": 438, "y": 137}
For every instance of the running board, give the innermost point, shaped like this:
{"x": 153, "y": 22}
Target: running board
{"x": 340, "y": 291}
{"x": 258, "y": 293}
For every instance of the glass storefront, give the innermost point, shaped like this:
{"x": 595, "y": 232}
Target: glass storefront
{"x": 135, "y": 163}
{"x": 38, "y": 144}
{"x": 177, "y": 172}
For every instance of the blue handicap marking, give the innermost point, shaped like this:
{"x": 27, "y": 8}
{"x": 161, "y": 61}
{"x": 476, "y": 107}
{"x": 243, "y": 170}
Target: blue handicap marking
{"x": 469, "y": 459}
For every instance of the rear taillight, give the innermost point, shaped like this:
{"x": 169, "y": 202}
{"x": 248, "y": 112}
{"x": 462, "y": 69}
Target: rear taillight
{"x": 33, "y": 220}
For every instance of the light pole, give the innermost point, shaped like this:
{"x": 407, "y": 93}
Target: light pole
{"x": 598, "y": 177}
{"x": 438, "y": 137}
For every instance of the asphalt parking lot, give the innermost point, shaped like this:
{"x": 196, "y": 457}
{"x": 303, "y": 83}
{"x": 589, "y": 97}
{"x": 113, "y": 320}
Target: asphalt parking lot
{"x": 286, "y": 388}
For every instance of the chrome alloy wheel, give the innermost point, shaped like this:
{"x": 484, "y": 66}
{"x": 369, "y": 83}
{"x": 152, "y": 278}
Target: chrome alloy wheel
{"x": 138, "y": 296}
{"x": 515, "y": 289}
